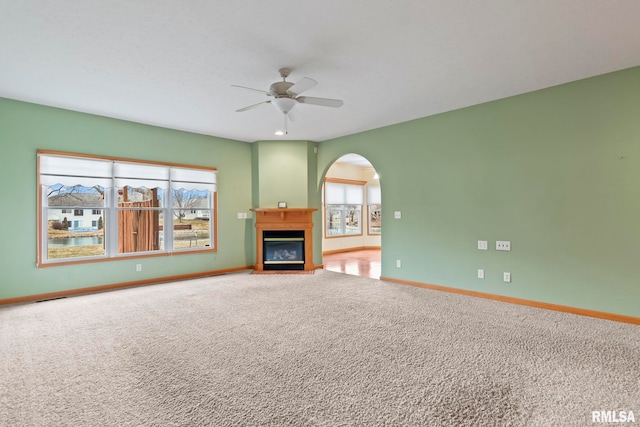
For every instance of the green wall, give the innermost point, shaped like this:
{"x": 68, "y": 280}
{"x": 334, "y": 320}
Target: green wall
{"x": 282, "y": 173}
{"x": 556, "y": 172}
{"x": 25, "y": 127}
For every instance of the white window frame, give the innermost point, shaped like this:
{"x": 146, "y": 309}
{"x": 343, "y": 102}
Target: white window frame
{"x": 374, "y": 203}
{"x": 111, "y": 173}
{"x": 343, "y": 195}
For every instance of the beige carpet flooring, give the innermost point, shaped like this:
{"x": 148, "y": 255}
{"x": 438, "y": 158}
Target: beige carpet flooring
{"x": 308, "y": 350}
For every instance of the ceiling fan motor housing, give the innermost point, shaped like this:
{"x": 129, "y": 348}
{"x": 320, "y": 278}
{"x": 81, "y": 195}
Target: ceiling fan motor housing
{"x": 279, "y": 89}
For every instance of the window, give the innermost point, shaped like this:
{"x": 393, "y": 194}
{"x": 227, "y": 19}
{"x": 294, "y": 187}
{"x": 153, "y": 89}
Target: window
{"x": 374, "y": 200}
{"x": 136, "y": 208}
{"x": 343, "y": 207}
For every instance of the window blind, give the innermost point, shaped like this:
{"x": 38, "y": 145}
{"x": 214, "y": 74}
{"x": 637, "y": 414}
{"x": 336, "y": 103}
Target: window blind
{"x": 197, "y": 179}
{"x": 343, "y": 194}
{"x": 374, "y": 196}
{"x": 70, "y": 171}
{"x": 138, "y": 175}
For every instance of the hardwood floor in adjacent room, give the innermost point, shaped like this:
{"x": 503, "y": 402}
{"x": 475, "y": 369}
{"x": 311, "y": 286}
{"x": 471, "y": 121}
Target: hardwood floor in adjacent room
{"x": 365, "y": 263}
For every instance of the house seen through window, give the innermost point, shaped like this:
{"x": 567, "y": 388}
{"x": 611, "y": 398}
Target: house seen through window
{"x": 94, "y": 208}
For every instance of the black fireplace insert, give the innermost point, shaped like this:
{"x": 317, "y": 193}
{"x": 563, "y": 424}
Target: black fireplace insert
{"x": 283, "y": 249}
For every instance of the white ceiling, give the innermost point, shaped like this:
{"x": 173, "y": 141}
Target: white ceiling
{"x": 172, "y": 63}
{"x": 354, "y": 159}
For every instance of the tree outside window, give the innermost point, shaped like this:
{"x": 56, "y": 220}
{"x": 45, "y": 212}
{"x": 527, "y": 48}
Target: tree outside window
{"x": 343, "y": 207}
{"x": 96, "y": 207}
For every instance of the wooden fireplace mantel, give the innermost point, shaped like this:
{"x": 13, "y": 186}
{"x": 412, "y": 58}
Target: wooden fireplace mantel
{"x": 285, "y": 219}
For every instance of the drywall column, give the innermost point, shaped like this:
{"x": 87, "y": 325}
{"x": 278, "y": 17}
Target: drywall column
{"x": 285, "y": 171}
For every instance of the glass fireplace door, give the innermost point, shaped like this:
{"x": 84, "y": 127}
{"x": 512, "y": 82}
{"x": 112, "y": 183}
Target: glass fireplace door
{"x": 283, "y": 249}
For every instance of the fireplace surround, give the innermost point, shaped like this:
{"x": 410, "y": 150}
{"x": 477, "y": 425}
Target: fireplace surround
{"x": 284, "y": 239}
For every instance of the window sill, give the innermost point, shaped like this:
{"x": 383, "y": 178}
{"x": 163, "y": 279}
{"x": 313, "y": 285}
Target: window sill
{"x": 121, "y": 258}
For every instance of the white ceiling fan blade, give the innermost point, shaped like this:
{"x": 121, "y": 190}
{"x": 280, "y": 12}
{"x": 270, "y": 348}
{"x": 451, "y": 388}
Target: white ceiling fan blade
{"x": 293, "y": 114}
{"x": 252, "y": 106}
{"x": 305, "y": 83}
{"x": 250, "y": 88}
{"x": 324, "y": 102}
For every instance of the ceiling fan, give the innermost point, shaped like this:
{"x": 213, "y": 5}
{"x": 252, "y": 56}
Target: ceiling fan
{"x": 286, "y": 95}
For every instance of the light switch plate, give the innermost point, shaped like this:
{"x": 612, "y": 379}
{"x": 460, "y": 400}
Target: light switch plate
{"x": 483, "y": 245}
{"x": 481, "y": 273}
{"x": 397, "y": 214}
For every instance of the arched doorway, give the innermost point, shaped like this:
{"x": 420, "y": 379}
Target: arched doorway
{"x": 351, "y": 209}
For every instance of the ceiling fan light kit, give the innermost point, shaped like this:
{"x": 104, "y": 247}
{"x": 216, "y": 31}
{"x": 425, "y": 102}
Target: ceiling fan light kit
{"x": 286, "y": 96}
{"x": 284, "y": 104}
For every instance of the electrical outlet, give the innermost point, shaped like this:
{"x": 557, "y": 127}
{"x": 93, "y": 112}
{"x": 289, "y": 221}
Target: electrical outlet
{"x": 398, "y": 263}
{"x": 481, "y": 273}
{"x": 138, "y": 267}
{"x": 483, "y": 245}
{"x": 506, "y": 277}
{"x": 503, "y": 245}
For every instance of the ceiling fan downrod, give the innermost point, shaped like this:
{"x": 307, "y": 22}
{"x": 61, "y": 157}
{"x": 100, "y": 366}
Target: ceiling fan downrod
{"x": 284, "y": 73}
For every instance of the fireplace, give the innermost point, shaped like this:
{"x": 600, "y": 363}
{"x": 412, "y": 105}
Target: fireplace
{"x": 284, "y": 239}
{"x": 283, "y": 249}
